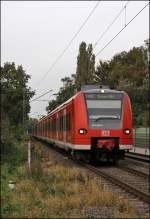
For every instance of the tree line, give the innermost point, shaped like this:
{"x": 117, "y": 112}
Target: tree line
{"x": 15, "y": 105}
{"x": 127, "y": 71}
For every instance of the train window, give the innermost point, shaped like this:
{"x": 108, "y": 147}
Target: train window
{"x": 114, "y": 104}
{"x": 48, "y": 124}
{"x": 102, "y": 96}
{"x": 64, "y": 122}
{"x": 104, "y": 113}
{"x": 57, "y": 123}
{"x": 68, "y": 125}
{"x": 61, "y": 123}
{"x": 54, "y": 124}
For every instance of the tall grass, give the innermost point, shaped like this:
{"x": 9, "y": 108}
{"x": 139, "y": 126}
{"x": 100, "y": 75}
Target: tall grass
{"x": 57, "y": 190}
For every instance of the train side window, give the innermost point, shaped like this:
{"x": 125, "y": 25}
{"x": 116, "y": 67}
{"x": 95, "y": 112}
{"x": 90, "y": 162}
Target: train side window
{"x": 64, "y": 126}
{"x": 68, "y": 122}
{"x": 55, "y": 125}
{"x": 52, "y": 125}
{"x": 49, "y": 125}
{"x": 59, "y": 124}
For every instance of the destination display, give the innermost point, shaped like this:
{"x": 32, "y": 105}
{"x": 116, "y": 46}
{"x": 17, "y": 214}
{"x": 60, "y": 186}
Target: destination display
{"x": 102, "y": 96}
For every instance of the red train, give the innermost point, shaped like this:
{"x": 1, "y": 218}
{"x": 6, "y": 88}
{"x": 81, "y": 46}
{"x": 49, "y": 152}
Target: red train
{"x": 95, "y": 123}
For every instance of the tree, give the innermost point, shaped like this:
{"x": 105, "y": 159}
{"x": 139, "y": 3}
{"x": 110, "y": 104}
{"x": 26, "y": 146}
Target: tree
{"x": 15, "y": 93}
{"x": 15, "y": 106}
{"x": 85, "y": 65}
{"x": 30, "y": 122}
{"x": 128, "y": 71}
{"x": 64, "y": 93}
{"x": 102, "y": 73}
{"x": 51, "y": 105}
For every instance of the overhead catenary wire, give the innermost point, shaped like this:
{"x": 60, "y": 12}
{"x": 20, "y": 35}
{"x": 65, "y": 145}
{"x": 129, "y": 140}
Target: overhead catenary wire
{"x": 40, "y": 96}
{"x": 109, "y": 26}
{"x": 42, "y": 100}
{"x": 121, "y": 30}
{"x": 68, "y": 45}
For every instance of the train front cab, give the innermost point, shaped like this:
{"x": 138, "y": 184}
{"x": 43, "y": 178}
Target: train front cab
{"x": 108, "y": 125}
{"x": 112, "y": 112}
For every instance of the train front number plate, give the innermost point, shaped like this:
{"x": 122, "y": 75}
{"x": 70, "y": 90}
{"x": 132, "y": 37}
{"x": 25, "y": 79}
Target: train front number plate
{"x": 105, "y": 133}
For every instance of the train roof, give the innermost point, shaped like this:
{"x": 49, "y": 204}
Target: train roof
{"x": 88, "y": 89}
{"x": 101, "y": 90}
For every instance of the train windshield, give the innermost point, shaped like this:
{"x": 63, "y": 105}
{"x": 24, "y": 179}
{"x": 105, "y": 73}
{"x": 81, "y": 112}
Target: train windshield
{"x": 104, "y": 110}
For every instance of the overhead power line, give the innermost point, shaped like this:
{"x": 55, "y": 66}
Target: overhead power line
{"x": 70, "y": 42}
{"x": 41, "y": 96}
{"x": 42, "y": 100}
{"x": 121, "y": 30}
{"x": 109, "y": 26}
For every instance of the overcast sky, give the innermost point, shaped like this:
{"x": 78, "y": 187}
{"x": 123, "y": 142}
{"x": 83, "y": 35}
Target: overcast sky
{"x": 34, "y": 33}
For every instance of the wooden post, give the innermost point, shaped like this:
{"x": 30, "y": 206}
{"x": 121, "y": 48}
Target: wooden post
{"x": 29, "y": 155}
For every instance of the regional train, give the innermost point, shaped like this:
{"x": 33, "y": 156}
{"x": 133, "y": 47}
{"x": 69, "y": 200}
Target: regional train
{"x": 94, "y": 124}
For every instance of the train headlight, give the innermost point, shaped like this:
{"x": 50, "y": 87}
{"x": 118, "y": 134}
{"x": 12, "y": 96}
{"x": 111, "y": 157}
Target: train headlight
{"x": 82, "y": 131}
{"x": 126, "y": 131}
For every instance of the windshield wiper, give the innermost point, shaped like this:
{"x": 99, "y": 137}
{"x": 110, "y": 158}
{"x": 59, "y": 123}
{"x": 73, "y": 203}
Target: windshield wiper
{"x": 106, "y": 117}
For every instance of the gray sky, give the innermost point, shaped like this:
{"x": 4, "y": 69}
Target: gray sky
{"x": 34, "y": 33}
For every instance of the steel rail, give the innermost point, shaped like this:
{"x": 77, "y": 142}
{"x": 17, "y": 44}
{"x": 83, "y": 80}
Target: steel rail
{"x": 136, "y": 172}
{"x": 135, "y": 157}
{"x": 137, "y": 154}
{"x": 144, "y": 197}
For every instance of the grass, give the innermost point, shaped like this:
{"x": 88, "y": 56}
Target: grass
{"x": 55, "y": 190}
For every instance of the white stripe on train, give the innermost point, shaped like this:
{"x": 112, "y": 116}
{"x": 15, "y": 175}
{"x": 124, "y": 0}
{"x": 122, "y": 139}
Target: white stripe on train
{"x": 66, "y": 145}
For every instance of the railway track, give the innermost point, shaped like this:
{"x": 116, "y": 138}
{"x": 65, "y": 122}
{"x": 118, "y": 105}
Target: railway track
{"x": 120, "y": 181}
{"x": 134, "y": 182}
{"x": 135, "y": 172}
{"x": 132, "y": 169}
{"x": 140, "y": 157}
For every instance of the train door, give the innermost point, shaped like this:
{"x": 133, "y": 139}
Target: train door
{"x": 64, "y": 125}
